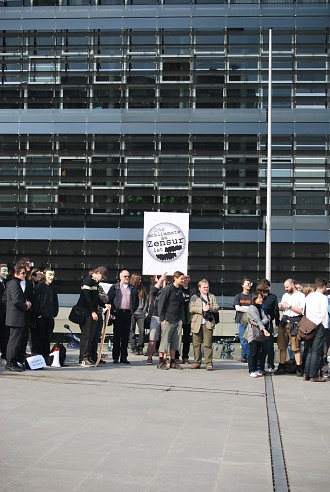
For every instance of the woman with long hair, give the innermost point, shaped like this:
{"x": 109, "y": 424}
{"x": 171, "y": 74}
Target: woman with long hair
{"x": 156, "y": 284}
{"x": 139, "y": 315}
{"x": 45, "y": 310}
{"x": 257, "y": 334}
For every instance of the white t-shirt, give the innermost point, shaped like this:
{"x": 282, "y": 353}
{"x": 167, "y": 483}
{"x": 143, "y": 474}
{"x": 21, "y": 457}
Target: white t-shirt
{"x": 297, "y": 300}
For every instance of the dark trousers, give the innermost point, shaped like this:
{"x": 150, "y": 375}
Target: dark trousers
{"x": 315, "y": 349}
{"x": 186, "y": 341}
{"x": 137, "y": 319}
{"x": 4, "y": 337}
{"x": 15, "y": 343}
{"x": 255, "y": 353}
{"x": 43, "y": 331}
{"x": 96, "y": 339}
{"x": 121, "y": 331}
{"x": 87, "y": 329}
{"x": 267, "y": 349}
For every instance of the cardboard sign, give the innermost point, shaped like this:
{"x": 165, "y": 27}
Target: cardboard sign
{"x": 165, "y": 243}
{"x": 36, "y": 362}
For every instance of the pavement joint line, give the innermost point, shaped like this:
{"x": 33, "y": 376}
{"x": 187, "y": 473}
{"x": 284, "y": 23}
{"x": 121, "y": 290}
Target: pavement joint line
{"x": 137, "y": 385}
{"x": 279, "y": 470}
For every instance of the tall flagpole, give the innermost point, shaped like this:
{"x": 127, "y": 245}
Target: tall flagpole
{"x": 269, "y": 168}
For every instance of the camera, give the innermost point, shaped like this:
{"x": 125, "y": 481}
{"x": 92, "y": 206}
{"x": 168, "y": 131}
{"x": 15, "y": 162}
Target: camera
{"x": 208, "y": 316}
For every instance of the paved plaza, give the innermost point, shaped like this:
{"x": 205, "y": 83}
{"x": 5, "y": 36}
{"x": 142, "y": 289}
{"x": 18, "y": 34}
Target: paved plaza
{"x": 135, "y": 428}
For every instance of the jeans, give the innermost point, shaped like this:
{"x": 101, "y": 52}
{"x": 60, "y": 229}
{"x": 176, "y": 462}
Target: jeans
{"x": 244, "y": 343}
{"x": 315, "y": 352}
{"x": 268, "y": 348}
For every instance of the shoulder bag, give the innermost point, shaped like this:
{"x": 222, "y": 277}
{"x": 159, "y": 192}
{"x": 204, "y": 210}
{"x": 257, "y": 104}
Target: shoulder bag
{"x": 77, "y": 315}
{"x": 306, "y": 328}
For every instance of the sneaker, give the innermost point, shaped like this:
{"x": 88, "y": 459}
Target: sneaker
{"x": 306, "y": 377}
{"x": 86, "y": 363}
{"x": 149, "y": 361}
{"x": 261, "y": 372}
{"x": 115, "y": 361}
{"x": 125, "y": 361}
{"x": 175, "y": 365}
{"x": 209, "y": 367}
{"x": 244, "y": 359}
{"x": 299, "y": 372}
{"x": 279, "y": 371}
{"x": 318, "y": 380}
{"x": 253, "y": 375}
{"x": 271, "y": 370}
{"x": 185, "y": 361}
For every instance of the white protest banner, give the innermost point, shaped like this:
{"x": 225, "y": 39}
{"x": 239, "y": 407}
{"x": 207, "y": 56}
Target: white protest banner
{"x": 165, "y": 243}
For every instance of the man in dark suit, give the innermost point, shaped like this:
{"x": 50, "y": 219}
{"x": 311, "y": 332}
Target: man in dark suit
{"x": 27, "y": 288}
{"x": 4, "y": 332}
{"x": 16, "y": 306}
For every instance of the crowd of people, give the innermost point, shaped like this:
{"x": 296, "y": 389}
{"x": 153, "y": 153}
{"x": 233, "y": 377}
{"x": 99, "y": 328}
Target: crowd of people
{"x": 174, "y": 314}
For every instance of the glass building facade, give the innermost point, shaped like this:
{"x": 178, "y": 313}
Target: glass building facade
{"x": 111, "y": 108}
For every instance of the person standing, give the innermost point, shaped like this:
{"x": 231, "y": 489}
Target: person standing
{"x": 45, "y": 309}
{"x": 202, "y": 324}
{"x": 154, "y": 332}
{"x": 16, "y": 307}
{"x": 124, "y": 301}
{"x": 187, "y": 292}
{"x": 170, "y": 310}
{"x": 316, "y": 310}
{"x": 257, "y": 317}
{"x": 139, "y": 315}
{"x": 292, "y": 305}
{"x": 242, "y": 301}
{"x": 27, "y": 287}
{"x": 270, "y": 307}
{"x": 4, "y": 331}
{"x": 89, "y": 301}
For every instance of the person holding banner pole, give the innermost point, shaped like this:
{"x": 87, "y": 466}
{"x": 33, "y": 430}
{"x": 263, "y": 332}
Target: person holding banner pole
{"x": 170, "y": 309}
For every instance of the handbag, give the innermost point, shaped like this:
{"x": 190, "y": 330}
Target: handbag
{"x": 77, "y": 315}
{"x": 258, "y": 335}
{"x": 306, "y": 328}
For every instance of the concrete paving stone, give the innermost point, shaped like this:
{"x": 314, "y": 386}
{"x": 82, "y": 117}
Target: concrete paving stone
{"x": 235, "y": 477}
{"x": 138, "y": 428}
{"x": 40, "y": 480}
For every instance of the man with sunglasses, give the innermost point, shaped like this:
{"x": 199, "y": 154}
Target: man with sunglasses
{"x": 16, "y": 306}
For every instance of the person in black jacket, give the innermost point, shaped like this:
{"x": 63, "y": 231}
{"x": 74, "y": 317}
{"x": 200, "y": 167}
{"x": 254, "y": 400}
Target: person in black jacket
{"x": 124, "y": 301}
{"x": 27, "y": 287}
{"x": 89, "y": 300}
{"x": 270, "y": 307}
{"x": 45, "y": 309}
{"x": 170, "y": 310}
{"x": 16, "y": 307}
{"x": 4, "y": 331}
